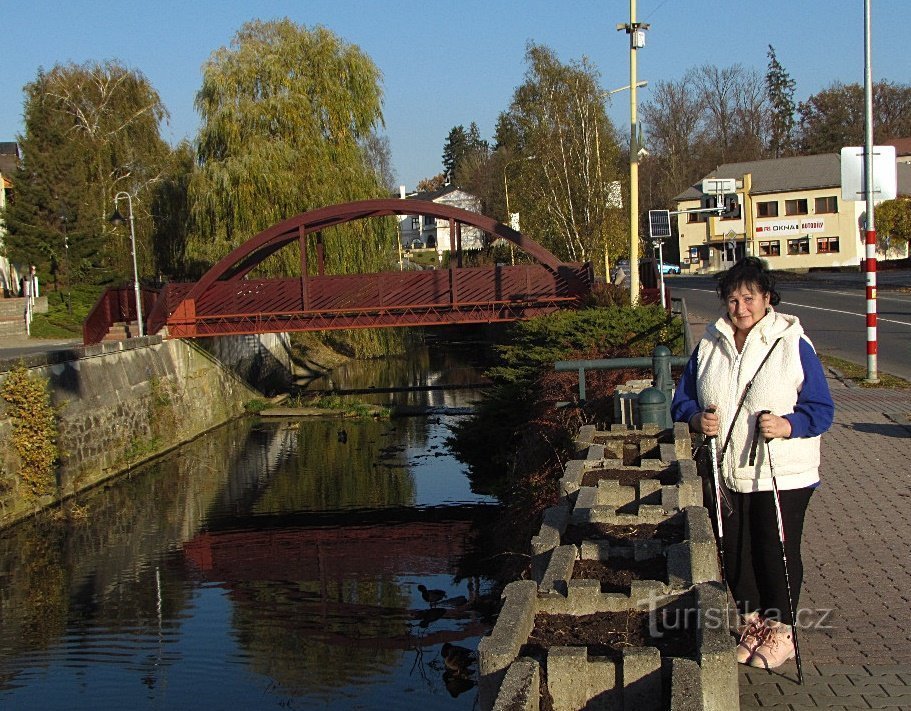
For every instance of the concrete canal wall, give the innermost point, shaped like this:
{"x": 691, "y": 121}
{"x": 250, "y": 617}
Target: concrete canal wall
{"x": 121, "y": 403}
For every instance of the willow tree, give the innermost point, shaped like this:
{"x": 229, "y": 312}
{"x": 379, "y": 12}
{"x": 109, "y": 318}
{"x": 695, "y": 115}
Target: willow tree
{"x": 91, "y": 130}
{"x": 567, "y": 195}
{"x": 288, "y": 114}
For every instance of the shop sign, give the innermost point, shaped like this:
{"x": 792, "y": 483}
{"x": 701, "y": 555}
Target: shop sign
{"x": 791, "y": 227}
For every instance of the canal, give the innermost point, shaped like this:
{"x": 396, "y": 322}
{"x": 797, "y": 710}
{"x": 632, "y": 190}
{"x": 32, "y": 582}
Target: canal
{"x": 267, "y": 564}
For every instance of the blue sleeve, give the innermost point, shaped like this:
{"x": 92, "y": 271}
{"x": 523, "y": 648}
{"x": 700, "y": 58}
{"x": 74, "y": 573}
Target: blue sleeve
{"x": 814, "y": 411}
{"x": 686, "y": 402}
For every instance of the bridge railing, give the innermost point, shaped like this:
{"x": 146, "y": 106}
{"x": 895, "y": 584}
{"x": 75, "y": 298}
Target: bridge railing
{"x": 117, "y": 304}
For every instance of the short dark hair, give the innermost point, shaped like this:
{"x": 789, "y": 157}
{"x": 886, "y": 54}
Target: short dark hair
{"x": 749, "y": 271}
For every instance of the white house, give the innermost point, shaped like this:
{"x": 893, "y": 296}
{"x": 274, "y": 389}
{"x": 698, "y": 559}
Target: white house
{"x": 424, "y": 231}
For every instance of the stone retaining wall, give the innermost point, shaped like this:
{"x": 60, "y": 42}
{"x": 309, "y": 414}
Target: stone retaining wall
{"x": 122, "y": 403}
{"x": 706, "y": 680}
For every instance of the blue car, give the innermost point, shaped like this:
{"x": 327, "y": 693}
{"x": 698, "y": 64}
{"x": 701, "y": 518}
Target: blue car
{"x": 667, "y": 268}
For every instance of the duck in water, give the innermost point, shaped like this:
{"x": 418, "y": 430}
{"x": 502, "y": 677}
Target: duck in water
{"x": 457, "y": 659}
{"x": 431, "y": 596}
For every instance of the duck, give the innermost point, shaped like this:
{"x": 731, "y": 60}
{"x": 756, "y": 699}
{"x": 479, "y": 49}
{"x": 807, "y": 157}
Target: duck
{"x": 429, "y": 616}
{"x": 456, "y": 658}
{"x": 343, "y": 436}
{"x": 456, "y": 683}
{"x": 431, "y": 596}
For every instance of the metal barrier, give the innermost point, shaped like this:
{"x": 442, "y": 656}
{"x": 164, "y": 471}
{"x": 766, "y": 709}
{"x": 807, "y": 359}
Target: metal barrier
{"x": 661, "y": 363}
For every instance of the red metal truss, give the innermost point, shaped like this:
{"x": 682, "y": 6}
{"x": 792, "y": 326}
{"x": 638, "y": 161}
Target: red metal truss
{"x": 224, "y": 301}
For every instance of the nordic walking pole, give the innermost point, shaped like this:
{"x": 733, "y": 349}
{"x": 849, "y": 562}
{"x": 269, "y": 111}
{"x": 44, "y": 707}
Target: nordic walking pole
{"x": 784, "y": 555}
{"x": 713, "y": 453}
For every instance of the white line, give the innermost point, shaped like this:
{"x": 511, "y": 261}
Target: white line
{"x": 847, "y": 313}
{"x": 860, "y": 295}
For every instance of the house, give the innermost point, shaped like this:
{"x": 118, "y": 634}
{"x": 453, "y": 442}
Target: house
{"x": 422, "y": 231}
{"x": 788, "y": 211}
{"x": 9, "y": 161}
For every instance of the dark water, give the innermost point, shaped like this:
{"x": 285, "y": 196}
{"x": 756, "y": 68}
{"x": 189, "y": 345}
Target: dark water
{"x": 264, "y": 565}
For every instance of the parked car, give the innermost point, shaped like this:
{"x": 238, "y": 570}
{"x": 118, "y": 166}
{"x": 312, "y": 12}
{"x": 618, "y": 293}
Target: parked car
{"x": 668, "y": 268}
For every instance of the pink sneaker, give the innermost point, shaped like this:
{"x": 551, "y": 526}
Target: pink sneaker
{"x": 777, "y": 647}
{"x": 752, "y": 633}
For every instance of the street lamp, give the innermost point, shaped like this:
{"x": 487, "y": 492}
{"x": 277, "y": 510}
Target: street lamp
{"x": 512, "y": 254}
{"x": 636, "y": 32}
{"x": 117, "y": 219}
{"x": 69, "y": 278}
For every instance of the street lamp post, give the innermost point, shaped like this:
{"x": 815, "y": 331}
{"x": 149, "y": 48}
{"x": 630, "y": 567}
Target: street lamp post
{"x": 512, "y": 254}
{"x": 69, "y": 278}
{"x": 636, "y": 32}
{"x": 117, "y": 219}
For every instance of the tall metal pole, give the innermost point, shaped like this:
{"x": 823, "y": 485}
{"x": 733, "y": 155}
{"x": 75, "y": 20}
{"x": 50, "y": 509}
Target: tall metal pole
{"x": 633, "y": 163}
{"x": 870, "y": 261}
{"x": 114, "y": 218}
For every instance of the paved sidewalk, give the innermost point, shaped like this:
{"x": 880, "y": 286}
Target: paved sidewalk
{"x": 856, "y": 598}
{"x": 856, "y": 652}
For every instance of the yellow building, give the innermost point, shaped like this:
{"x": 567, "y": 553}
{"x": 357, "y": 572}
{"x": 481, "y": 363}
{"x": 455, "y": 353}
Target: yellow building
{"x": 789, "y": 211}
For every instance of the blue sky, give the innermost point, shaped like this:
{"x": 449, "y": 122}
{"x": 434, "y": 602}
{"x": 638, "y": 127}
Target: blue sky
{"x": 450, "y": 63}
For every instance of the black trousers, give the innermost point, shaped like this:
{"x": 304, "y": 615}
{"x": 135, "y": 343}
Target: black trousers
{"x": 753, "y": 564}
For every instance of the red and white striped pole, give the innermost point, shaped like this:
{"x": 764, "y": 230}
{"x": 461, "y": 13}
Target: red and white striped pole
{"x": 870, "y": 227}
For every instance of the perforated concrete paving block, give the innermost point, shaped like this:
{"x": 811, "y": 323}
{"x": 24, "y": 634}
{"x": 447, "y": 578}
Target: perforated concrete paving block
{"x": 586, "y": 499}
{"x": 703, "y": 551}
{"x": 682, "y": 442}
{"x": 553, "y": 525}
{"x": 667, "y": 452}
{"x": 572, "y": 476}
{"x": 686, "y": 685}
{"x": 498, "y": 650}
{"x": 585, "y": 437}
{"x": 641, "y": 674}
{"x": 560, "y": 570}
{"x": 520, "y": 690}
{"x": 595, "y": 452}
{"x": 611, "y": 493}
{"x": 574, "y": 680}
{"x": 720, "y": 691}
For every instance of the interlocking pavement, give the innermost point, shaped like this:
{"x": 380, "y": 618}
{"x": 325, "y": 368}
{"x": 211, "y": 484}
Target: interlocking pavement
{"x": 855, "y": 638}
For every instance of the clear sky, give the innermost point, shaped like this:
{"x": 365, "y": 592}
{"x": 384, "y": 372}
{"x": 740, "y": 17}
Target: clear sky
{"x": 450, "y": 63}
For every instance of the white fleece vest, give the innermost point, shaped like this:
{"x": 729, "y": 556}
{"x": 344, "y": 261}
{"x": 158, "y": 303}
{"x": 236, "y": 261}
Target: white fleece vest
{"x": 722, "y": 375}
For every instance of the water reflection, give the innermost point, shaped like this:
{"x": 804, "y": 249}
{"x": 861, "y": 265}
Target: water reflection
{"x": 262, "y": 564}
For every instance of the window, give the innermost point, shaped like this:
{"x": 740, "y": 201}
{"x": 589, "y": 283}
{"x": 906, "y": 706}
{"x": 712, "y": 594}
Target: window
{"x": 770, "y": 249}
{"x": 827, "y": 204}
{"x": 795, "y": 207}
{"x": 799, "y": 246}
{"x": 692, "y": 217}
{"x": 430, "y": 221}
{"x": 415, "y": 223}
{"x": 767, "y": 209}
{"x": 826, "y": 245}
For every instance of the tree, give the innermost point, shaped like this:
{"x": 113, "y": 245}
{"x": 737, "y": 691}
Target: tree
{"x": 91, "y": 130}
{"x": 780, "y": 88}
{"x": 893, "y": 225}
{"x": 565, "y": 194}
{"x": 286, "y": 113}
{"x": 834, "y": 117}
{"x": 462, "y": 153}
{"x": 428, "y": 185}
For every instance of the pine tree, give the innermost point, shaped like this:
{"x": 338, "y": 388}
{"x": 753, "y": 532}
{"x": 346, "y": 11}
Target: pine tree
{"x": 780, "y": 88}
{"x": 454, "y": 151}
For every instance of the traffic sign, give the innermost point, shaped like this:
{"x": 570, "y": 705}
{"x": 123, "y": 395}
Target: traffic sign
{"x": 719, "y": 186}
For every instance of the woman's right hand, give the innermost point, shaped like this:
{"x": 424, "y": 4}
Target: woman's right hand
{"x": 706, "y": 421}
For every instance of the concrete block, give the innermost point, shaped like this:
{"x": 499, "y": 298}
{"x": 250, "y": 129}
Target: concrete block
{"x": 560, "y": 570}
{"x": 595, "y": 550}
{"x": 575, "y": 681}
{"x": 586, "y": 500}
{"x": 572, "y": 476}
{"x": 497, "y": 651}
{"x": 720, "y": 691}
{"x": 611, "y": 493}
{"x": 686, "y": 685}
{"x": 651, "y": 465}
{"x": 667, "y": 452}
{"x": 595, "y": 452}
{"x": 520, "y": 690}
{"x": 650, "y": 487}
{"x": 682, "y": 442}
{"x": 642, "y": 679}
{"x": 585, "y": 437}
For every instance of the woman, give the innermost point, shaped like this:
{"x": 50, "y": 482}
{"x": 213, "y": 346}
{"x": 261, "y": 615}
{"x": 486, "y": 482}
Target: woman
{"x": 787, "y": 405}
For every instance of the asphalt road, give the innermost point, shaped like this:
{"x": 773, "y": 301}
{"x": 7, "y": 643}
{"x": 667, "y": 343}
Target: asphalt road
{"x": 832, "y": 309}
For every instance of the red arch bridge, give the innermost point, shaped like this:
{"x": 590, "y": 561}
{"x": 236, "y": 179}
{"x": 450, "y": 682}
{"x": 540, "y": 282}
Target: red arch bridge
{"x": 225, "y": 301}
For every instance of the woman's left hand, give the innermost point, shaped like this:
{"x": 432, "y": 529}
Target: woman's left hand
{"x": 772, "y": 426}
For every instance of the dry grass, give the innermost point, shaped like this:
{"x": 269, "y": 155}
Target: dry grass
{"x": 858, "y": 373}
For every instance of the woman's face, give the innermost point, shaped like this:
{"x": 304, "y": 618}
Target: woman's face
{"x": 746, "y": 306}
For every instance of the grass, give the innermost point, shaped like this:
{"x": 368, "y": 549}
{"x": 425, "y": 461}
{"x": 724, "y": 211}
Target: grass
{"x": 345, "y": 406}
{"x": 424, "y": 257}
{"x": 858, "y": 373}
{"x": 60, "y": 322}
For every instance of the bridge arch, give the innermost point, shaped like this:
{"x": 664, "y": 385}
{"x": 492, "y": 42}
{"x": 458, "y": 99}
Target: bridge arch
{"x": 243, "y": 259}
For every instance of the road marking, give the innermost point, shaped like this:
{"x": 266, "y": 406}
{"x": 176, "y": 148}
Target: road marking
{"x": 848, "y": 313}
{"x": 819, "y": 308}
{"x": 859, "y": 295}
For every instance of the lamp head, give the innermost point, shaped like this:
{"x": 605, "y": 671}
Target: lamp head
{"x": 116, "y": 218}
